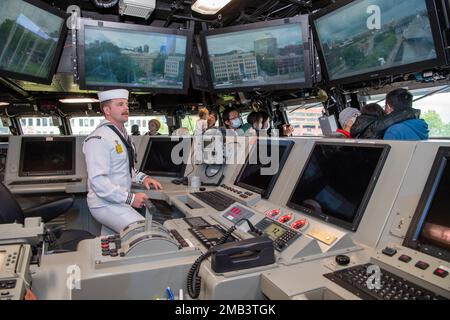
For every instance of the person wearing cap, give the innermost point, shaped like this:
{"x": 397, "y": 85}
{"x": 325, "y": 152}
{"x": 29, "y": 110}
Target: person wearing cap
{"x": 347, "y": 118}
{"x": 110, "y": 158}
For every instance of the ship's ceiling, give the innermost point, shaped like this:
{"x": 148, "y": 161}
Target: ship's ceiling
{"x": 168, "y": 13}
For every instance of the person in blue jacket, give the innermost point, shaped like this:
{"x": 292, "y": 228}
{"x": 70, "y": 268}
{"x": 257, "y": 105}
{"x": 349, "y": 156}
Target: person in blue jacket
{"x": 399, "y": 100}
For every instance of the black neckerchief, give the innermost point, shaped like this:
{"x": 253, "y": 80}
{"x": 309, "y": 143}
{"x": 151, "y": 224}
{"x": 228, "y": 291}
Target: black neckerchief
{"x": 127, "y": 144}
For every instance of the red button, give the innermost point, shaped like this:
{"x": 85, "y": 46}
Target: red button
{"x": 285, "y": 218}
{"x": 422, "y": 265}
{"x": 273, "y": 213}
{"x": 405, "y": 258}
{"x": 441, "y": 272}
{"x": 299, "y": 224}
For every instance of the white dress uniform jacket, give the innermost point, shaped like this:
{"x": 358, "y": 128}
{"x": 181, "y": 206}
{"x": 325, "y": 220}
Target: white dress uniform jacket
{"x": 109, "y": 179}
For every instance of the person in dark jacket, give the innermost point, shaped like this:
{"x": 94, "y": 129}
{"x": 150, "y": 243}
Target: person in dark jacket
{"x": 399, "y": 100}
{"x": 364, "y": 128}
{"x": 365, "y": 124}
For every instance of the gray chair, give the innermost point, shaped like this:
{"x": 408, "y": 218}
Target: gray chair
{"x": 60, "y": 240}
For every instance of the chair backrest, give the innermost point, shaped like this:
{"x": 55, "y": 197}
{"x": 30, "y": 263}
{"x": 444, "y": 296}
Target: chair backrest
{"x": 10, "y": 211}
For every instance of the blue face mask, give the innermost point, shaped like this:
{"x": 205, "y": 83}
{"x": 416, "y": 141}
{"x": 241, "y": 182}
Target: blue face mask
{"x": 236, "y": 123}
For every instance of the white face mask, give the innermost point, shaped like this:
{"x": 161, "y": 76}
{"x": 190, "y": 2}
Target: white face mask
{"x": 258, "y": 126}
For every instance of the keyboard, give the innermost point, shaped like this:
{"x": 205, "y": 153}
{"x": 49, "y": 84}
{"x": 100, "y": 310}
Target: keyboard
{"x": 44, "y": 181}
{"x": 215, "y": 199}
{"x": 393, "y": 287}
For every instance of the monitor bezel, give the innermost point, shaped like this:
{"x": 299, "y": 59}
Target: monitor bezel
{"x": 23, "y": 173}
{"x": 415, "y": 227}
{"x": 131, "y": 27}
{"x": 57, "y": 55}
{"x": 440, "y": 60}
{"x": 304, "y": 24}
{"x": 352, "y": 226}
{"x": 265, "y": 194}
{"x": 182, "y": 171}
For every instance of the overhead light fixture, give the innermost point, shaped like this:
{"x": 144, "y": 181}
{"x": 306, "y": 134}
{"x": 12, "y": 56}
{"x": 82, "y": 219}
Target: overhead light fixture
{"x": 4, "y": 104}
{"x": 78, "y": 100}
{"x": 137, "y": 8}
{"x": 209, "y": 7}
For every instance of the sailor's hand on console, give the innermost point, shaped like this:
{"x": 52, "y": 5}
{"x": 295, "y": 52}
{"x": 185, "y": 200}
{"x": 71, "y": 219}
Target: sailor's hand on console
{"x": 139, "y": 199}
{"x": 148, "y": 182}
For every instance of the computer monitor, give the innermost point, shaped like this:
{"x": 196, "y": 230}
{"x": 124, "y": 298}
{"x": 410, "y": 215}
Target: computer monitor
{"x": 369, "y": 39}
{"x": 429, "y": 231}
{"x": 264, "y": 165}
{"x": 266, "y": 55}
{"x": 32, "y": 34}
{"x": 136, "y": 57}
{"x": 337, "y": 181}
{"x": 47, "y": 156}
{"x": 166, "y": 156}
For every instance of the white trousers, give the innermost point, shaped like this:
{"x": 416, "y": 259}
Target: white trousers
{"x": 117, "y": 216}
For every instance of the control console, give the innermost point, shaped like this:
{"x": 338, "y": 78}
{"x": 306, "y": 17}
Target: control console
{"x": 14, "y": 271}
{"x": 135, "y": 240}
{"x": 241, "y": 195}
{"x": 209, "y": 235}
{"x": 281, "y": 235}
{"x": 358, "y": 280}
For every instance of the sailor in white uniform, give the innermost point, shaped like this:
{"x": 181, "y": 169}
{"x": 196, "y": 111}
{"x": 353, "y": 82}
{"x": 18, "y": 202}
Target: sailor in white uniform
{"x": 110, "y": 158}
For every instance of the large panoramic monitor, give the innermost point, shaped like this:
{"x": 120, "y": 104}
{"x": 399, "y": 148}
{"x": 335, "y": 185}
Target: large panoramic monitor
{"x": 32, "y": 34}
{"x": 47, "y": 156}
{"x": 337, "y": 181}
{"x": 260, "y": 56}
{"x": 429, "y": 231}
{"x": 368, "y": 39}
{"x": 263, "y": 166}
{"x": 166, "y": 156}
{"x": 136, "y": 57}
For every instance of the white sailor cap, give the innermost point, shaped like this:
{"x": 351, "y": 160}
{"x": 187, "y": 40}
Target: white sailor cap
{"x": 113, "y": 94}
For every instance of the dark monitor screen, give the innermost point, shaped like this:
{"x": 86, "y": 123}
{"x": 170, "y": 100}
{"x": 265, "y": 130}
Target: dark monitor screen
{"x": 366, "y": 39}
{"x": 263, "y": 166}
{"x": 429, "y": 231}
{"x": 137, "y": 57}
{"x": 47, "y": 156}
{"x": 31, "y": 39}
{"x": 166, "y": 156}
{"x": 337, "y": 181}
{"x": 265, "y": 55}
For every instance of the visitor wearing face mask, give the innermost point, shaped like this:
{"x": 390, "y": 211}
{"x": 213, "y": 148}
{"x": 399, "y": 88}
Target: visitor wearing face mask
{"x": 232, "y": 120}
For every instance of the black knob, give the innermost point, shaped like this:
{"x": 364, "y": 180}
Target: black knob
{"x": 342, "y": 260}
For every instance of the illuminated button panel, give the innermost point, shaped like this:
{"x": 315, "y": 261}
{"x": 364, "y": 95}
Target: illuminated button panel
{"x": 236, "y": 213}
{"x": 296, "y": 223}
